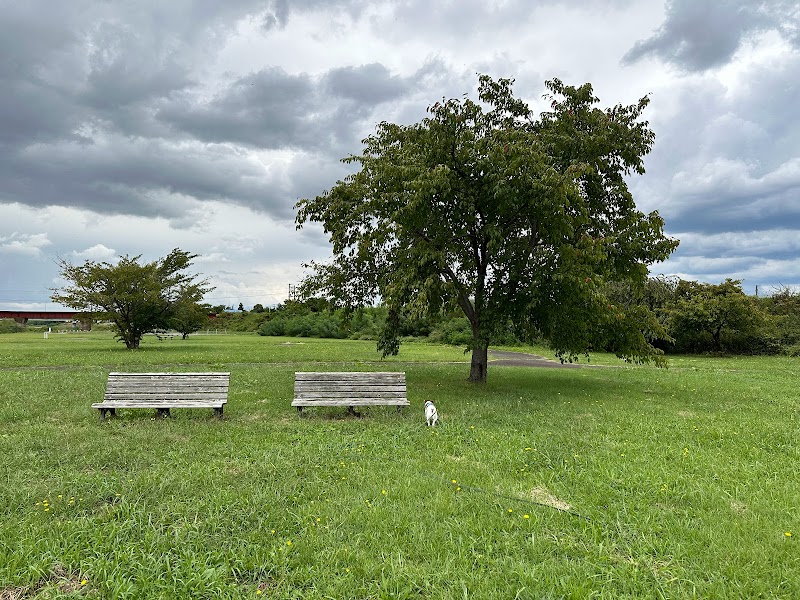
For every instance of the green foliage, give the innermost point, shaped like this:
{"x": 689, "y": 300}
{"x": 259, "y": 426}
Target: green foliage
{"x": 187, "y": 315}
{"x": 10, "y": 326}
{"x": 783, "y": 307}
{"x": 318, "y": 325}
{"x": 708, "y": 316}
{"x": 511, "y": 219}
{"x": 136, "y": 297}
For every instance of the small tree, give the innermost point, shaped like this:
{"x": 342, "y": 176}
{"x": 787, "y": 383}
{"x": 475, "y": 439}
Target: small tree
{"x": 512, "y": 219}
{"x": 714, "y": 310}
{"x": 188, "y": 316}
{"x": 135, "y": 297}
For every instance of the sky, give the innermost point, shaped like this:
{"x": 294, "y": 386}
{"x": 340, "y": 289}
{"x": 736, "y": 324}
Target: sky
{"x": 132, "y": 128}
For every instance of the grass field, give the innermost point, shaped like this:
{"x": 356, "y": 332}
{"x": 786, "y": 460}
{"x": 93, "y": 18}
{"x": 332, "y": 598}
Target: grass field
{"x": 606, "y": 482}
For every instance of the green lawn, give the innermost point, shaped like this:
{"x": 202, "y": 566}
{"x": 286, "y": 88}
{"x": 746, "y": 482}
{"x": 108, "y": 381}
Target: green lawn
{"x": 612, "y": 481}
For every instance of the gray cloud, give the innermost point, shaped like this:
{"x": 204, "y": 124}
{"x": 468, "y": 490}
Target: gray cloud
{"x": 268, "y": 109}
{"x": 702, "y": 34}
{"x": 370, "y": 84}
{"x": 181, "y": 115}
{"x": 726, "y": 155}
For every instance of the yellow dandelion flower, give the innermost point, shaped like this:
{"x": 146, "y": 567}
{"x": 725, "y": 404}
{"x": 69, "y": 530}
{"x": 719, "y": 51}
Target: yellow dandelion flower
{"x": 453, "y": 481}
{"x": 510, "y": 510}
{"x": 526, "y": 516}
{"x": 84, "y": 581}
{"x": 788, "y": 534}
{"x": 288, "y": 542}
{"x": 458, "y": 489}
{"x": 384, "y": 492}
{"x": 347, "y": 570}
{"x": 258, "y": 592}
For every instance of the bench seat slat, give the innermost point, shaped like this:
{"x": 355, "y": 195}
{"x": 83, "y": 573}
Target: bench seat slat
{"x": 155, "y": 404}
{"x": 353, "y": 376}
{"x": 167, "y": 397}
{"x": 351, "y": 402}
{"x": 345, "y": 394}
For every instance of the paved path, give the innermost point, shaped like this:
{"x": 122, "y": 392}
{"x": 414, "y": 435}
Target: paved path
{"x": 520, "y": 359}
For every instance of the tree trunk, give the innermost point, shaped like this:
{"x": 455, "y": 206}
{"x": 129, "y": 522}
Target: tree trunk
{"x": 480, "y": 360}
{"x": 716, "y": 336}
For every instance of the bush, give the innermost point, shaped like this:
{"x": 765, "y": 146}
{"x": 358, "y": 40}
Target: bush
{"x": 10, "y": 326}
{"x": 319, "y": 325}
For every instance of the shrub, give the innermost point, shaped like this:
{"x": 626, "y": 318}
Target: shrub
{"x": 10, "y": 326}
{"x": 320, "y": 325}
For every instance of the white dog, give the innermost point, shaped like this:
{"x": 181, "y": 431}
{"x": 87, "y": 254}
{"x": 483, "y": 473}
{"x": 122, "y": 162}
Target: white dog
{"x": 431, "y": 416}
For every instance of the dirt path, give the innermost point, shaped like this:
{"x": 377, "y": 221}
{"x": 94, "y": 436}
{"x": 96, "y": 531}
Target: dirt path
{"x": 520, "y": 359}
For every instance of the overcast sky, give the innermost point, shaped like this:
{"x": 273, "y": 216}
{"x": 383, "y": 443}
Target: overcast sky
{"x": 138, "y": 127}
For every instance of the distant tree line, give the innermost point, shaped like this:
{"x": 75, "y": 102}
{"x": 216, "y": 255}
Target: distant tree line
{"x": 697, "y": 318}
{"x": 719, "y": 318}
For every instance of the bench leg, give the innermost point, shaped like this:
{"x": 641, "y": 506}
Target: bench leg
{"x": 299, "y": 409}
{"x": 112, "y": 412}
{"x": 218, "y": 412}
{"x": 162, "y": 413}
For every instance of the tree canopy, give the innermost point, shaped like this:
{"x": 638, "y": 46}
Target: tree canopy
{"x": 135, "y": 297}
{"x": 713, "y": 310}
{"x": 518, "y": 221}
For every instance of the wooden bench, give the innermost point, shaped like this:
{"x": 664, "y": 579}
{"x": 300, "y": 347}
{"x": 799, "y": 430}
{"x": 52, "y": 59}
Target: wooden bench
{"x": 349, "y": 389}
{"x": 163, "y": 391}
{"x": 167, "y": 335}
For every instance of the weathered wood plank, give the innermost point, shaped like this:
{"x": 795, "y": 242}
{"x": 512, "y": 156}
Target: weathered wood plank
{"x": 157, "y": 404}
{"x": 349, "y": 376}
{"x": 167, "y": 400}
{"x": 168, "y": 373}
{"x": 162, "y": 391}
{"x": 351, "y": 402}
{"x": 351, "y": 389}
{"x": 186, "y": 393}
{"x": 349, "y": 393}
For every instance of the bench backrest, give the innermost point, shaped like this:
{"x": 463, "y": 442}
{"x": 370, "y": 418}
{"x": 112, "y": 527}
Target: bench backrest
{"x": 210, "y": 387}
{"x": 389, "y": 388}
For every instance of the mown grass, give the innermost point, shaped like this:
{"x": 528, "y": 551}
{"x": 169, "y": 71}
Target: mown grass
{"x": 613, "y": 482}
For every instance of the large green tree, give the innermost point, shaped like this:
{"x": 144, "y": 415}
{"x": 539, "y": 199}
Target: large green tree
{"x": 136, "y": 297}
{"x": 512, "y": 218}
